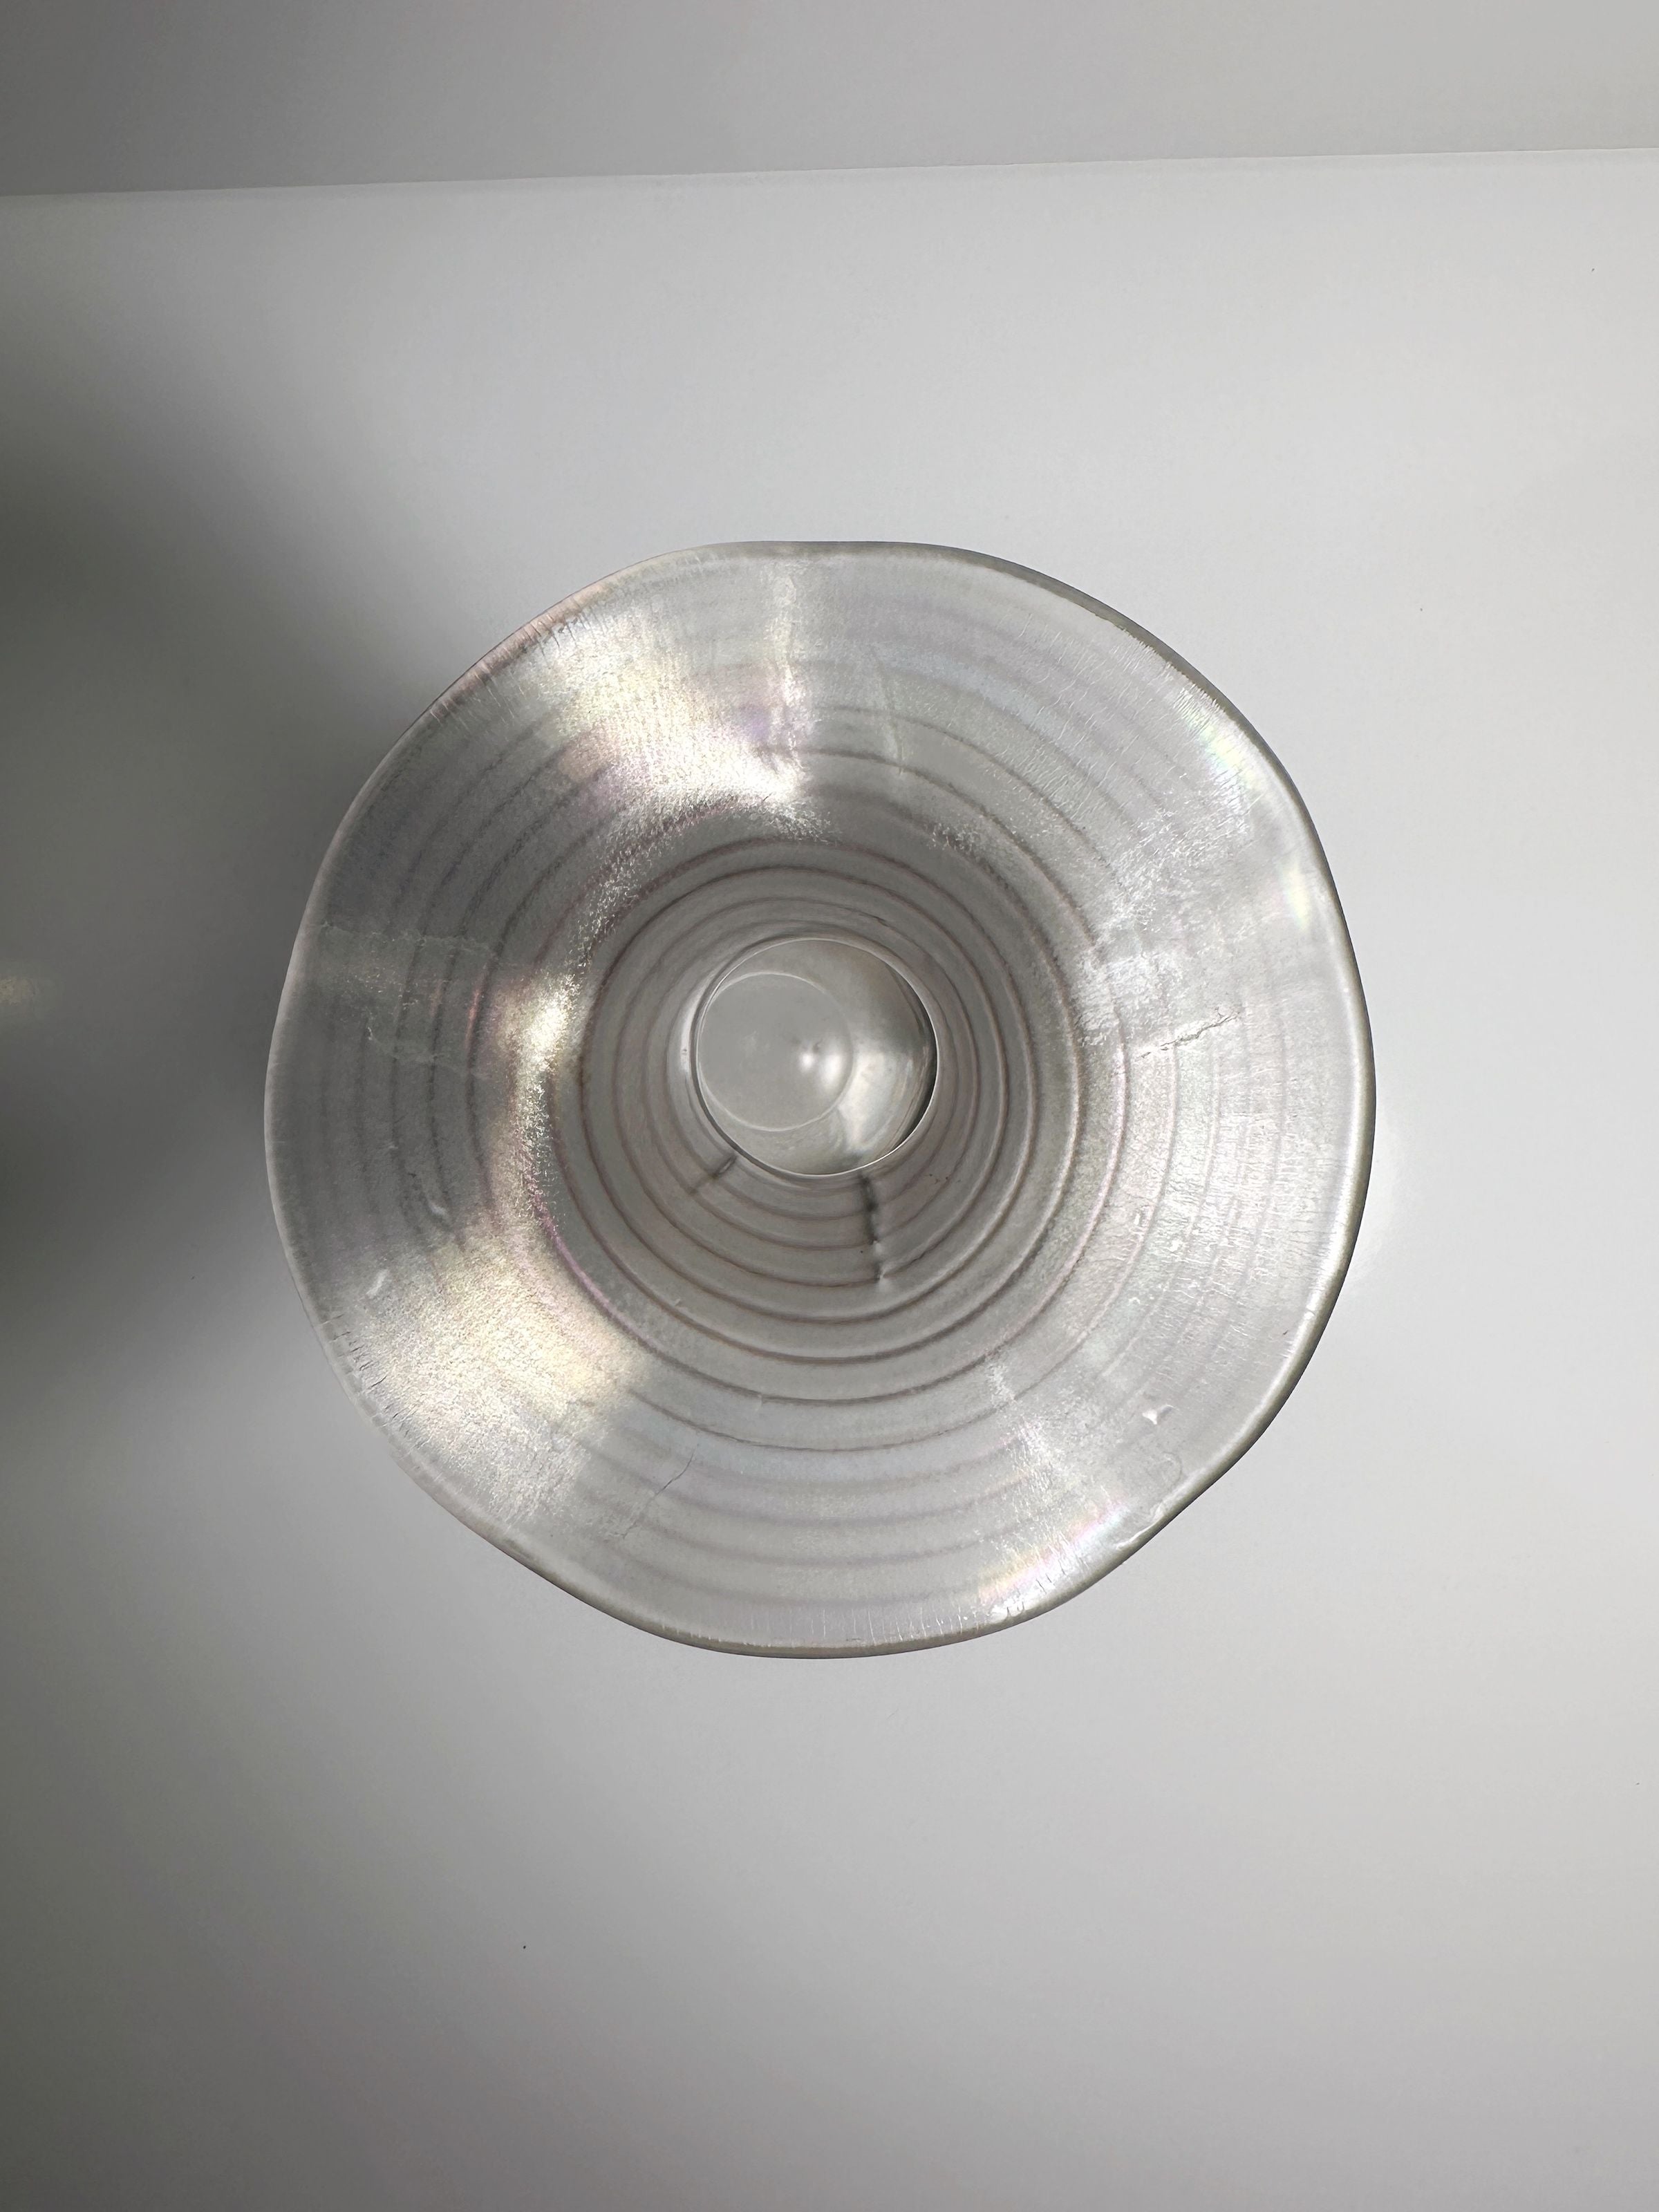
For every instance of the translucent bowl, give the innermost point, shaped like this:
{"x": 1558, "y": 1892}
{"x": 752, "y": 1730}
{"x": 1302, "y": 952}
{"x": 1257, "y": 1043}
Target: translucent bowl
{"x": 823, "y": 1095}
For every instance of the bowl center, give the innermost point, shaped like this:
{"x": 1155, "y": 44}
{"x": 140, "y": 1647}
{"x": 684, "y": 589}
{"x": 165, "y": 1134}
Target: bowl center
{"x": 814, "y": 1056}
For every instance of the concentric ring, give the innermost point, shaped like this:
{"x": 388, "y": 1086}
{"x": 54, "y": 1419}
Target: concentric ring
{"x": 860, "y": 1411}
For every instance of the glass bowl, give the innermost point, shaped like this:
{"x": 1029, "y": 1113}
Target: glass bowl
{"x": 823, "y": 1095}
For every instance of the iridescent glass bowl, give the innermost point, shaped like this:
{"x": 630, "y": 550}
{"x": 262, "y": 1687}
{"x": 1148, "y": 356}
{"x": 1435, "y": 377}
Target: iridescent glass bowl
{"x": 823, "y": 1095}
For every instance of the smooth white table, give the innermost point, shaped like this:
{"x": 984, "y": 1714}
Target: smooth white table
{"x": 1307, "y": 1863}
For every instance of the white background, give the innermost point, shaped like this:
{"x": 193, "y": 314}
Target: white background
{"x": 1306, "y": 1863}
{"x": 116, "y": 94}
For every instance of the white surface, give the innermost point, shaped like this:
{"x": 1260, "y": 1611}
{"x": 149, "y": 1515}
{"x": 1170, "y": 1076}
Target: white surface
{"x": 102, "y": 95}
{"x": 1305, "y": 1862}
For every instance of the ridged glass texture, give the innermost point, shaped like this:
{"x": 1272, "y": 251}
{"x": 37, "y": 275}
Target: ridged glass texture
{"x": 931, "y": 1387}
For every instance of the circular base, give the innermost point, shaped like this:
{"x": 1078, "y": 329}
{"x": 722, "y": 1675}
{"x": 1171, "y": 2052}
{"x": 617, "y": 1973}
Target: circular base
{"x": 814, "y": 1056}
